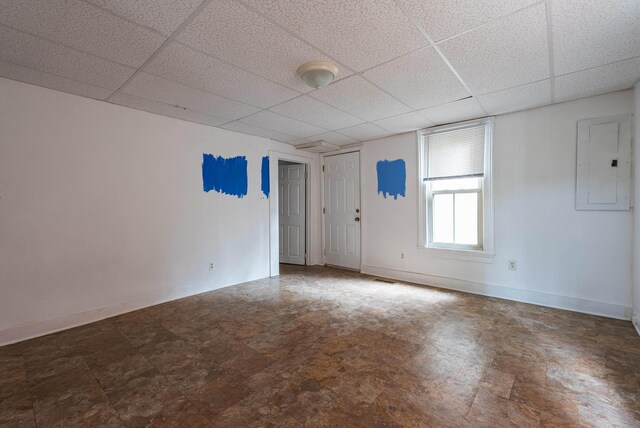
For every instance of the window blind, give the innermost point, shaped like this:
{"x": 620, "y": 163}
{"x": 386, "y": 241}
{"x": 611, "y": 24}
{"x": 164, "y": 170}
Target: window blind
{"x": 455, "y": 154}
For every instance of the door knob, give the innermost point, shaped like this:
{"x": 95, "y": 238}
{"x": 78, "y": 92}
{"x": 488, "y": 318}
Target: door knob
{"x": 357, "y": 219}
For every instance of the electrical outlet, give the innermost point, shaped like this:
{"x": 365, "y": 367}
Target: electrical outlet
{"x": 402, "y": 255}
{"x": 511, "y": 264}
{"x": 212, "y": 266}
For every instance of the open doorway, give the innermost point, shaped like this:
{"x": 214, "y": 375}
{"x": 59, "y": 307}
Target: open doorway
{"x": 292, "y": 212}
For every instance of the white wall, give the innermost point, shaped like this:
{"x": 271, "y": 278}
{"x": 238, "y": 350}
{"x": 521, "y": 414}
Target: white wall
{"x": 636, "y": 212}
{"x": 578, "y": 260}
{"x": 102, "y": 210}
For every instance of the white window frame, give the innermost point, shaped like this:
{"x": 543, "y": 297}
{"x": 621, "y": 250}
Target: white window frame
{"x": 486, "y": 252}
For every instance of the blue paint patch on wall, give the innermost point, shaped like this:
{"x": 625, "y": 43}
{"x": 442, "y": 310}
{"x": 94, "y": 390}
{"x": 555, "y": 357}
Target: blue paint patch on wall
{"x": 264, "y": 184}
{"x": 392, "y": 178}
{"x": 225, "y": 175}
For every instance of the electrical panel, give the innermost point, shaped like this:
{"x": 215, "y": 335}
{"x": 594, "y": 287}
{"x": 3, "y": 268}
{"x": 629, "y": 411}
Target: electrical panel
{"x": 604, "y": 164}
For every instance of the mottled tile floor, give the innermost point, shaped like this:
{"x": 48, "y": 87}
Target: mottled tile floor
{"x": 326, "y": 348}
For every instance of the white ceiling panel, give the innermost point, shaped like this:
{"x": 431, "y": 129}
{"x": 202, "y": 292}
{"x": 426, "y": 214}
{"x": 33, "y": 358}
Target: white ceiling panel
{"x": 358, "y": 33}
{"x": 235, "y": 62}
{"x": 599, "y": 80}
{"x": 165, "y": 109}
{"x": 260, "y": 132}
{"x": 366, "y": 131}
{"x": 456, "y": 111}
{"x": 591, "y": 33}
{"x": 163, "y": 16}
{"x": 157, "y": 89}
{"x": 518, "y": 98}
{"x": 228, "y": 30}
{"x": 51, "y": 81}
{"x": 445, "y": 18}
{"x": 179, "y": 63}
{"x": 405, "y": 122}
{"x": 277, "y": 122}
{"x": 39, "y": 54}
{"x": 509, "y": 52}
{"x": 420, "y": 79}
{"x": 82, "y": 26}
{"x": 317, "y": 113}
{"x": 360, "y": 98}
{"x": 334, "y": 137}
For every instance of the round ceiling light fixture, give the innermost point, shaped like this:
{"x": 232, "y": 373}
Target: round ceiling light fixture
{"x": 317, "y": 74}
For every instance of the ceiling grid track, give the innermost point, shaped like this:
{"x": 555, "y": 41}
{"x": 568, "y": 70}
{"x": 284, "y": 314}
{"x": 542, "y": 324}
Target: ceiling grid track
{"x": 358, "y": 73}
{"x": 169, "y": 39}
{"x": 68, "y": 47}
{"x": 440, "y": 53}
{"x": 551, "y": 56}
{"x": 286, "y": 30}
{"x": 124, "y": 18}
{"x": 177, "y": 59}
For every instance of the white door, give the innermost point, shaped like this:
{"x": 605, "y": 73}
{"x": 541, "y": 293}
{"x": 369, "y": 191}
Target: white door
{"x": 342, "y": 210}
{"x": 292, "y": 213}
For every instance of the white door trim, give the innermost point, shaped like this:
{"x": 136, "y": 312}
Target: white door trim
{"x": 274, "y": 242}
{"x": 346, "y": 150}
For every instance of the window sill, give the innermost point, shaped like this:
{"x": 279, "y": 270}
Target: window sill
{"x": 461, "y": 255}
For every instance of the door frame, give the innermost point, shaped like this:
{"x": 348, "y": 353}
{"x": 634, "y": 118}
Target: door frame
{"x": 274, "y": 216}
{"x": 344, "y": 151}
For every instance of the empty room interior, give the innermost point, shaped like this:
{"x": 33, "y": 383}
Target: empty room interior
{"x": 337, "y": 213}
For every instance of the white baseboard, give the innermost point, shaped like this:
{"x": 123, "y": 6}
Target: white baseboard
{"x": 635, "y": 319}
{"x": 519, "y": 295}
{"x": 41, "y": 328}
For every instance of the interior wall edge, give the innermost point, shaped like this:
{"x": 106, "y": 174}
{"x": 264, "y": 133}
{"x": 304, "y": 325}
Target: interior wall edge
{"x": 41, "y": 328}
{"x": 609, "y": 310}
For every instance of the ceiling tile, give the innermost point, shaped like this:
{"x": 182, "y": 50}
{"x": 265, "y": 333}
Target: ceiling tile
{"x": 165, "y": 109}
{"x": 39, "y": 78}
{"x": 591, "y": 33}
{"x": 279, "y": 123}
{"x": 161, "y": 15}
{"x": 154, "y": 88}
{"x": 317, "y": 113}
{"x": 456, "y": 111}
{"x": 404, "y": 122}
{"x": 39, "y": 54}
{"x": 360, "y": 98}
{"x": 82, "y": 26}
{"x": 360, "y": 34}
{"x": 260, "y": 132}
{"x": 334, "y": 137}
{"x": 599, "y": 80}
{"x": 445, "y": 18}
{"x": 179, "y": 63}
{"x": 519, "y": 98}
{"x": 506, "y": 53}
{"x": 228, "y": 30}
{"x": 366, "y": 131}
{"x": 419, "y": 79}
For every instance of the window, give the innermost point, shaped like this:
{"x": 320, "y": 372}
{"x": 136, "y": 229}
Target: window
{"x": 455, "y": 202}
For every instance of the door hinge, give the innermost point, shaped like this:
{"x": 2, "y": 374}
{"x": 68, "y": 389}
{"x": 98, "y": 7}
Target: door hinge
{"x": 322, "y": 168}
{"x": 325, "y": 251}
{"x": 305, "y": 175}
{"x": 305, "y": 257}
{"x": 324, "y": 211}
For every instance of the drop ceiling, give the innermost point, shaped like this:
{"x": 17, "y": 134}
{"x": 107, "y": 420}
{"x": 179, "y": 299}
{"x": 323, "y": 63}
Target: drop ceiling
{"x": 403, "y": 64}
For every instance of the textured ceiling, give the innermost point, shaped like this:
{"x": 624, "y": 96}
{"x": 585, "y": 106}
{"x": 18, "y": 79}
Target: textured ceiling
{"x": 404, "y": 64}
